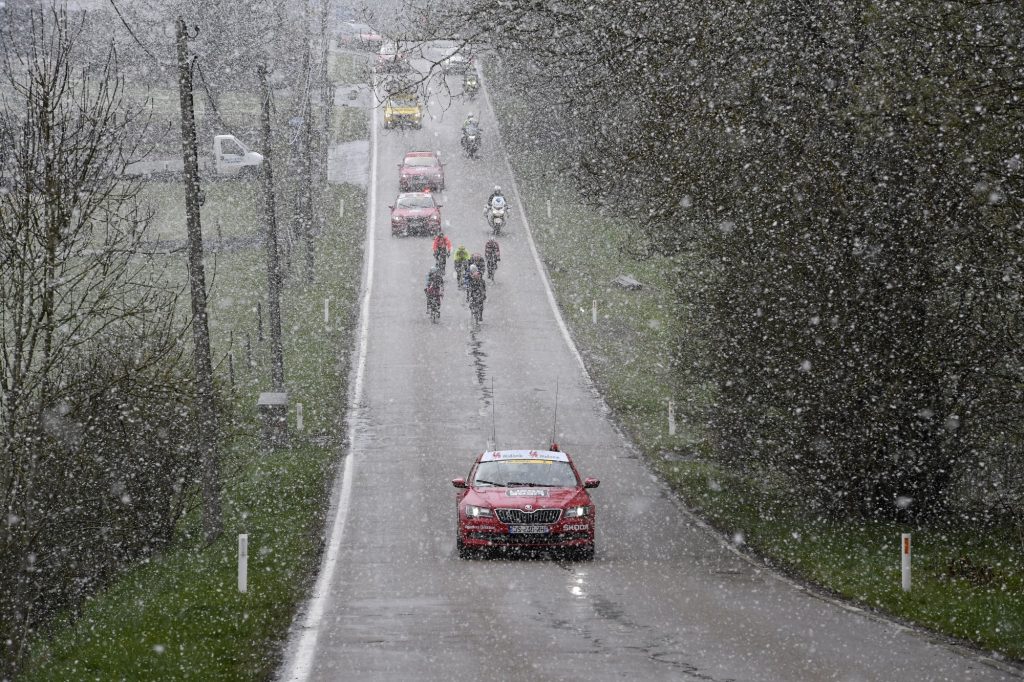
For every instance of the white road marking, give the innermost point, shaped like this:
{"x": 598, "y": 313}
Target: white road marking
{"x": 533, "y": 248}
{"x": 302, "y": 663}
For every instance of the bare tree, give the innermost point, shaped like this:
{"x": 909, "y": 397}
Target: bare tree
{"x": 205, "y": 397}
{"x": 85, "y": 318}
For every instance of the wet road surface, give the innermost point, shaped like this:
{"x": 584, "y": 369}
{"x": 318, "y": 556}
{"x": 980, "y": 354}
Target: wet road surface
{"x": 664, "y": 599}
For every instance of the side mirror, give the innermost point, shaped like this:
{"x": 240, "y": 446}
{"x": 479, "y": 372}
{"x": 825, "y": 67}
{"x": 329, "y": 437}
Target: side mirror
{"x": 391, "y": 207}
{"x": 459, "y": 483}
{"x": 591, "y": 482}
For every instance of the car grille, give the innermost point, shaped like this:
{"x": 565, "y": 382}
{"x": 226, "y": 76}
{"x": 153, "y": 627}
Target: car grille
{"x": 417, "y": 223}
{"x": 522, "y": 516}
{"x": 528, "y": 539}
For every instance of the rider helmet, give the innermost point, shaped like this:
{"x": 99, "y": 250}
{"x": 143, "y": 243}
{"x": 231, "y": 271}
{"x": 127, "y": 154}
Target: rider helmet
{"x": 433, "y": 270}
{"x": 473, "y": 268}
{"x": 497, "y": 188}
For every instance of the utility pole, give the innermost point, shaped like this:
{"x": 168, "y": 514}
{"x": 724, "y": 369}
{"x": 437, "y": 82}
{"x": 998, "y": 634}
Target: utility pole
{"x": 273, "y": 259}
{"x": 205, "y": 398}
{"x": 305, "y": 218}
{"x": 307, "y": 180}
{"x": 326, "y": 100}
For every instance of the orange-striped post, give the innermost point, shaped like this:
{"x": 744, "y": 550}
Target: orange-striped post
{"x": 905, "y": 560}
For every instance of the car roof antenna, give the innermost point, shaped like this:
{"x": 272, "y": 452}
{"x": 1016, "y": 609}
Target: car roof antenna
{"x": 494, "y": 437}
{"x": 554, "y": 427}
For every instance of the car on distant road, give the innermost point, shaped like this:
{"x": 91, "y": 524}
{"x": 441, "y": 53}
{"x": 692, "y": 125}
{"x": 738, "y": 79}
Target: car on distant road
{"x": 403, "y": 109}
{"x": 390, "y": 59}
{"x": 359, "y": 36}
{"x": 415, "y": 213}
{"x": 457, "y": 62}
{"x": 421, "y": 171}
{"x": 526, "y": 501}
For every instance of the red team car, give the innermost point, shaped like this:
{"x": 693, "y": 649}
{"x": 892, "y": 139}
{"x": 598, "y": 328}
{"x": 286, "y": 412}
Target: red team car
{"x": 527, "y": 500}
{"x": 415, "y": 213}
{"x": 420, "y": 171}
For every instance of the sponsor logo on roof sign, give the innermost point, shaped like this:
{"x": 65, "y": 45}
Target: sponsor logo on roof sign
{"x": 497, "y": 455}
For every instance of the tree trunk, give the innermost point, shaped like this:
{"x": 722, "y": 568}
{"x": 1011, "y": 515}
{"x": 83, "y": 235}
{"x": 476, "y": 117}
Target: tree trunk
{"x": 205, "y": 402}
{"x": 273, "y": 260}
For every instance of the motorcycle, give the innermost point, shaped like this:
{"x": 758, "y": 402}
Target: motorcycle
{"x": 497, "y": 214}
{"x": 471, "y": 142}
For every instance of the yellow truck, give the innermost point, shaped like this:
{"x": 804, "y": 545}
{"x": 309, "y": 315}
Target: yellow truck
{"x": 403, "y": 109}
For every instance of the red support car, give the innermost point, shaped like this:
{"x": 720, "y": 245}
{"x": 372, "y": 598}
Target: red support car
{"x": 525, "y": 500}
{"x": 421, "y": 171}
{"x": 415, "y": 213}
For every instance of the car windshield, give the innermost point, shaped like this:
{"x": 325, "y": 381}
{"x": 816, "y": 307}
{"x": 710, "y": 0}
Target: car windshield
{"x": 416, "y": 202}
{"x": 420, "y": 161}
{"x": 403, "y": 101}
{"x": 525, "y": 472}
{"x": 358, "y": 28}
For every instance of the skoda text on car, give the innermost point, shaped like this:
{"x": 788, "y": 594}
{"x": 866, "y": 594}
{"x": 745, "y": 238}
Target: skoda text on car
{"x": 420, "y": 171}
{"x": 415, "y": 213}
{"x": 526, "y": 500}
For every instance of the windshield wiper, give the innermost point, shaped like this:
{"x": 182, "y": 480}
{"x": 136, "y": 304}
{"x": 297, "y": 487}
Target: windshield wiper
{"x": 534, "y": 485}
{"x": 478, "y": 481}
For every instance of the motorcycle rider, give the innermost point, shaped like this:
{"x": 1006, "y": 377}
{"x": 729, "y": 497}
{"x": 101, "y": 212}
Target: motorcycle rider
{"x": 442, "y": 247}
{"x": 461, "y": 260}
{"x": 470, "y": 127}
{"x": 477, "y": 290}
{"x": 495, "y": 193}
{"x": 492, "y": 254}
{"x": 470, "y": 84}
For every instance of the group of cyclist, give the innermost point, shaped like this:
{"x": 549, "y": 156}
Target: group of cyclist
{"x": 471, "y": 269}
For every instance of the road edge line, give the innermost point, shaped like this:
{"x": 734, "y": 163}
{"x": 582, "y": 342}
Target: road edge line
{"x": 302, "y": 661}
{"x": 541, "y": 269}
{"x": 961, "y": 648}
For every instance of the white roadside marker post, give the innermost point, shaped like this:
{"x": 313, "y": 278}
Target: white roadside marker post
{"x": 298, "y": 417}
{"x": 549, "y": 209}
{"x": 243, "y": 562}
{"x": 671, "y": 418}
{"x": 327, "y": 311}
{"x": 905, "y": 560}
{"x": 593, "y": 312}
{"x": 341, "y": 208}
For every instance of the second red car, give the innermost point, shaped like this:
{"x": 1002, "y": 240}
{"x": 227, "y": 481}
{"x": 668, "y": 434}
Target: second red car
{"x": 415, "y": 213}
{"x": 421, "y": 171}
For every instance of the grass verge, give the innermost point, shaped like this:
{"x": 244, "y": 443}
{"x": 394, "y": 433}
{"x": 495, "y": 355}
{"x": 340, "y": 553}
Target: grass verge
{"x": 180, "y": 616}
{"x": 967, "y": 584}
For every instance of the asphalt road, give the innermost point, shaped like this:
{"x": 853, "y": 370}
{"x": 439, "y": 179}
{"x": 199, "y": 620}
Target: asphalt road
{"x": 664, "y": 599}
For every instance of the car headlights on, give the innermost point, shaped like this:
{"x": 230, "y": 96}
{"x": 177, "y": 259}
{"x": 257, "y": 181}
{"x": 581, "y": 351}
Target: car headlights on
{"x": 577, "y": 512}
{"x": 474, "y": 512}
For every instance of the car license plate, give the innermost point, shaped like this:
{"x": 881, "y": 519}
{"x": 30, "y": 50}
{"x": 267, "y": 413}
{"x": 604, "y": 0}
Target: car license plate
{"x": 532, "y": 528}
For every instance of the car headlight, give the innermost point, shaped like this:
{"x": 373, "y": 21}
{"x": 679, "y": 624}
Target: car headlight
{"x": 396, "y": 219}
{"x": 474, "y": 512}
{"x": 577, "y": 512}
